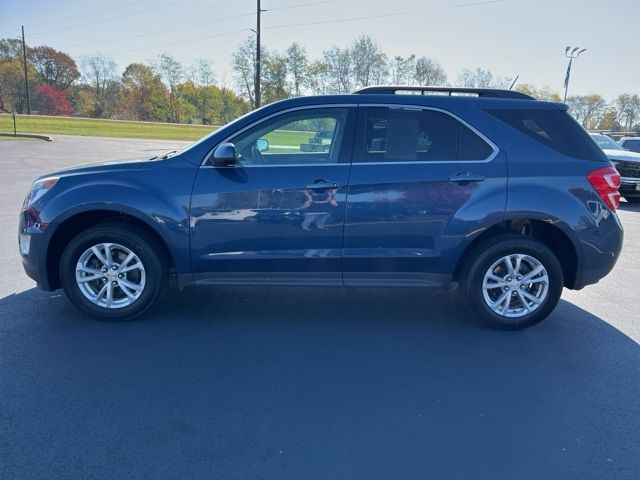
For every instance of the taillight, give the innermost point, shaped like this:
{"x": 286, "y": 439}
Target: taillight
{"x": 606, "y": 182}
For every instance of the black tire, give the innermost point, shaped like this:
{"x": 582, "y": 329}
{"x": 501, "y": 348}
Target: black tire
{"x": 145, "y": 246}
{"x": 483, "y": 256}
{"x": 632, "y": 199}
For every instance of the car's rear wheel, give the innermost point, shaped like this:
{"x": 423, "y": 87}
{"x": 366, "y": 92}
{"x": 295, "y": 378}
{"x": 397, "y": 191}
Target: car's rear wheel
{"x": 113, "y": 272}
{"x": 511, "y": 282}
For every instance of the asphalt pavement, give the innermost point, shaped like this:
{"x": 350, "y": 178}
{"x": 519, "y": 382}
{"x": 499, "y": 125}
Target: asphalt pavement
{"x": 308, "y": 383}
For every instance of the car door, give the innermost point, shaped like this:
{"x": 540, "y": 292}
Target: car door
{"x": 421, "y": 181}
{"x": 277, "y": 215}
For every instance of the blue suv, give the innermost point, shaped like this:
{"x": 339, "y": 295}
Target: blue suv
{"x": 390, "y": 186}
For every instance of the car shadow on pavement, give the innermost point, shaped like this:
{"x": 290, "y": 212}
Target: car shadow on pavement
{"x": 307, "y": 383}
{"x": 631, "y": 207}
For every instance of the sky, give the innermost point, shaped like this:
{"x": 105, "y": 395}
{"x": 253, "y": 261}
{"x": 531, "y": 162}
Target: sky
{"x": 508, "y": 37}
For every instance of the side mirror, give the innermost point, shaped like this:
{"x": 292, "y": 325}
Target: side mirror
{"x": 262, "y": 144}
{"x": 225, "y": 155}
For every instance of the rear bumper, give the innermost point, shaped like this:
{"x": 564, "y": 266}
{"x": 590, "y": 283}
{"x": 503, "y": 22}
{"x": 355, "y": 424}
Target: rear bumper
{"x": 599, "y": 255}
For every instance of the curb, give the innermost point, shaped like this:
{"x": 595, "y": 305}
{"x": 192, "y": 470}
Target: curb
{"x": 29, "y": 135}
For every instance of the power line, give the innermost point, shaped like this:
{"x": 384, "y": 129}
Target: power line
{"x": 477, "y": 3}
{"x": 181, "y": 42}
{"x": 103, "y": 20}
{"x": 160, "y": 32}
{"x": 90, "y": 14}
{"x": 196, "y": 25}
{"x": 341, "y": 20}
{"x": 287, "y": 7}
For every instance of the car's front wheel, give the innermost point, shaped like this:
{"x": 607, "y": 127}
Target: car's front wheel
{"x": 512, "y": 282}
{"x": 113, "y": 272}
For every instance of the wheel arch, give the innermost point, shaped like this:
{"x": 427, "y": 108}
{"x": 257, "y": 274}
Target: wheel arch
{"x": 80, "y": 221}
{"x": 550, "y": 233}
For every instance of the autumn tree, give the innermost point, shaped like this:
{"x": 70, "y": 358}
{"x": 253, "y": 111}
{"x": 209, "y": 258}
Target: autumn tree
{"x": 49, "y": 101}
{"x": 54, "y": 67}
{"x": 587, "y": 109}
{"x": 274, "y": 82}
{"x": 142, "y": 94}
{"x": 609, "y": 121}
{"x": 13, "y": 97}
{"x": 544, "y": 93}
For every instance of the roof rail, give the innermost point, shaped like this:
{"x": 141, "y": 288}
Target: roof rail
{"x": 480, "y": 92}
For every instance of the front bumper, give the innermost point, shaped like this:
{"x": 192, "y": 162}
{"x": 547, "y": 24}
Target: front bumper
{"x": 34, "y": 259}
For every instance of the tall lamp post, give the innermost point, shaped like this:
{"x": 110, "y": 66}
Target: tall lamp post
{"x": 575, "y": 53}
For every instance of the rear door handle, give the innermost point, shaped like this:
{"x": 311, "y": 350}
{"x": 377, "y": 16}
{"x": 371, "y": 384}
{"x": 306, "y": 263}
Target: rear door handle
{"x": 322, "y": 185}
{"x": 465, "y": 177}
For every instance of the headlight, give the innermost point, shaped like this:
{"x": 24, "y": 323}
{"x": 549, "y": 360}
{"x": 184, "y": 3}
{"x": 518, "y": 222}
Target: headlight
{"x": 39, "y": 188}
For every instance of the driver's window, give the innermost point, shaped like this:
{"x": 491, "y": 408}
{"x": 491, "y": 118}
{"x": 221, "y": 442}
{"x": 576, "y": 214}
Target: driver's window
{"x": 295, "y": 138}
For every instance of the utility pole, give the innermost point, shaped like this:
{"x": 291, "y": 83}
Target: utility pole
{"x": 257, "y": 95}
{"x": 571, "y": 56}
{"x": 26, "y": 77}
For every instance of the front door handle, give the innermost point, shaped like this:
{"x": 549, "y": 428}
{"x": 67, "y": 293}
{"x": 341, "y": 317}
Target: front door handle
{"x": 465, "y": 177}
{"x": 322, "y": 185}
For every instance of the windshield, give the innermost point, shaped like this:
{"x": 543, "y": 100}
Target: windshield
{"x": 606, "y": 142}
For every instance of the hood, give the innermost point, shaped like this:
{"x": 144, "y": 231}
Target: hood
{"x": 622, "y": 155}
{"x": 99, "y": 167}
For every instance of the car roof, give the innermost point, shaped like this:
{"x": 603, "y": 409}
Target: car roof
{"x": 436, "y": 101}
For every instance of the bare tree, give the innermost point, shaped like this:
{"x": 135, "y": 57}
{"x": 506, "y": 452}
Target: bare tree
{"x": 338, "y": 70}
{"x": 244, "y": 64}
{"x": 318, "y": 80}
{"x": 172, "y": 73}
{"x": 628, "y": 107}
{"x": 297, "y": 65}
{"x": 369, "y": 62}
{"x": 205, "y": 78}
{"x": 100, "y": 74}
{"x": 429, "y": 72}
{"x": 480, "y": 78}
{"x": 402, "y": 70}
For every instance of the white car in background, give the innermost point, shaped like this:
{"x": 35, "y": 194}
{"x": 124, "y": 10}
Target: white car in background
{"x": 626, "y": 162}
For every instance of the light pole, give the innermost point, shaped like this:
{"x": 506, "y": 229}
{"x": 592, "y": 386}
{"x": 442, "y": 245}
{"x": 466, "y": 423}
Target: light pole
{"x": 575, "y": 53}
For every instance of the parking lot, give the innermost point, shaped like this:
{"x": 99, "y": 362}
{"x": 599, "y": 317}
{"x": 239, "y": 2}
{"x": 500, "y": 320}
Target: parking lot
{"x": 308, "y": 383}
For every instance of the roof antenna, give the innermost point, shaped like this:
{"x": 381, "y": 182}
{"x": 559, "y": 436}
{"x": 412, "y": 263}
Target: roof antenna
{"x": 514, "y": 82}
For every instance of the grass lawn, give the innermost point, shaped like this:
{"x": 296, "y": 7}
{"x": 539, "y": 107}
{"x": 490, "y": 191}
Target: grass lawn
{"x": 280, "y": 140}
{"x": 103, "y": 128}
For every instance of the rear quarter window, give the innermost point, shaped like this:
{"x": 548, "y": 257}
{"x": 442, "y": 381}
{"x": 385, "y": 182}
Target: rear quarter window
{"x": 554, "y": 128}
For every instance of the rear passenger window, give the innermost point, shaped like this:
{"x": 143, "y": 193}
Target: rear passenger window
{"x": 396, "y": 134}
{"x": 555, "y": 129}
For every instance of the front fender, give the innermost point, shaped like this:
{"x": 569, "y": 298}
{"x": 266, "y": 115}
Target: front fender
{"x": 160, "y": 202}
